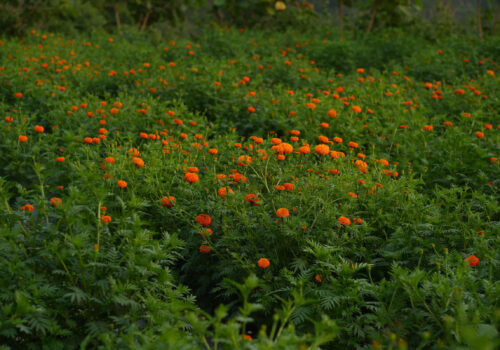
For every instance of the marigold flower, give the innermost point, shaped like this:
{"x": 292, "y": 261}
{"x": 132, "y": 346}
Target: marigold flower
{"x": 223, "y": 191}
{"x": 304, "y": 149}
{"x": 39, "y": 128}
{"x": 109, "y": 160}
{"x": 472, "y": 260}
{"x": 252, "y": 198}
{"x": 122, "y": 184}
{"x": 204, "y": 219}
{"x": 106, "y": 219}
{"x": 191, "y": 177}
{"x": 318, "y": 278}
{"x": 60, "y": 159}
{"x": 479, "y": 134}
{"x": 244, "y": 160}
{"x": 204, "y": 248}
{"x": 28, "y": 207}
{"x": 322, "y": 149}
{"x": 332, "y": 113}
{"x": 428, "y": 128}
{"x": 251, "y": 109}
{"x": 289, "y": 186}
{"x": 168, "y": 201}
{"x": 263, "y": 263}
{"x": 138, "y": 161}
{"x": 55, "y": 201}
{"x": 344, "y": 221}
{"x": 207, "y": 231}
{"x": 282, "y": 213}
{"x": 22, "y": 138}
{"x": 356, "y": 109}
{"x": 283, "y": 148}
{"x": 323, "y": 139}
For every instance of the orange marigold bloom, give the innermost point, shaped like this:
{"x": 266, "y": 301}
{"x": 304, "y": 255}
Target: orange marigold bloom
{"x": 252, "y": 198}
{"x": 191, "y": 177}
{"x": 193, "y": 169}
{"x": 209, "y": 231}
{"x": 213, "y": 151}
{"x": 353, "y": 144}
{"x": 289, "y": 186}
{"x": 109, "y": 160}
{"x": 337, "y": 139}
{"x": 344, "y": 221}
{"x": 134, "y": 151}
{"x": 448, "y": 124}
{"x": 39, "y": 128}
{"x": 28, "y": 207}
{"x": 428, "y": 128}
{"x": 263, "y": 263}
{"x": 276, "y": 141}
{"x": 204, "y": 219}
{"x": 138, "y": 161}
{"x": 244, "y": 160}
{"x": 323, "y": 139}
{"x": 472, "y": 260}
{"x": 325, "y": 125}
{"x": 322, "y": 149}
{"x": 251, "y": 109}
{"x": 122, "y": 184}
{"x": 168, "y": 201}
{"x": 305, "y": 149}
{"x": 332, "y": 113}
{"x": 248, "y": 336}
{"x": 479, "y": 134}
{"x": 22, "y": 138}
{"x": 356, "y": 109}
{"x": 335, "y": 154}
{"x": 60, "y": 159}
{"x": 204, "y": 248}
{"x": 223, "y": 191}
{"x": 283, "y": 148}
{"x": 106, "y": 219}
{"x": 19, "y": 95}
{"x": 55, "y": 201}
{"x": 282, "y": 213}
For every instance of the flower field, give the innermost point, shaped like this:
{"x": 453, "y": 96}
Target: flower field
{"x": 251, "y": 190}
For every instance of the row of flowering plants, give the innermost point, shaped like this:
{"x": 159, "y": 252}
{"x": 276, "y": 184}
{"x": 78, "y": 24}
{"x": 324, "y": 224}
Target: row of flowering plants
{"x": 234, "y": 192}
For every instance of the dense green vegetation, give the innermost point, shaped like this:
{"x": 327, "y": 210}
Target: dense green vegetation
{"x": 249, "y": 189}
